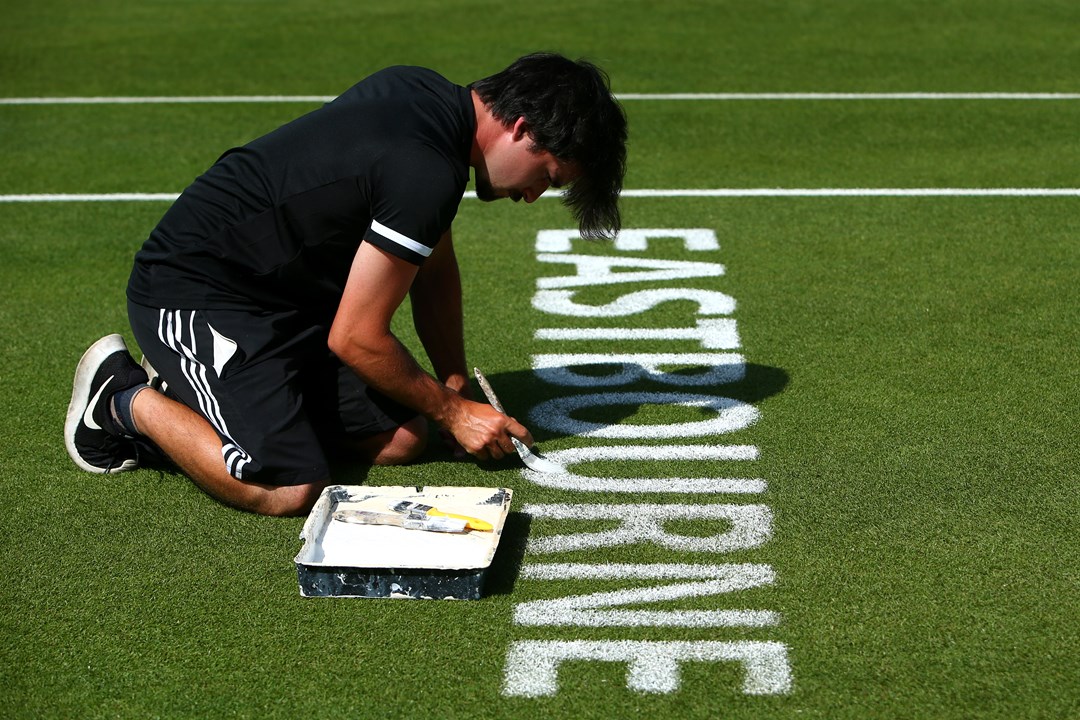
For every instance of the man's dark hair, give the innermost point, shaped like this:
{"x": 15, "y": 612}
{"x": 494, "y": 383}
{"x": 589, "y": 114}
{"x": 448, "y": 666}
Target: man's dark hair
{"x": 571, "y": 113}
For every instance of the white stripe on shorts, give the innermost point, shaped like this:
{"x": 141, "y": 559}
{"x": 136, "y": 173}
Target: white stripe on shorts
{"x": 171, "y": 329}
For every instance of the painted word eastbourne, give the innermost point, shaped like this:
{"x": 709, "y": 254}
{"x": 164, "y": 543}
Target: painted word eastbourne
{"x": 653, "y": 666}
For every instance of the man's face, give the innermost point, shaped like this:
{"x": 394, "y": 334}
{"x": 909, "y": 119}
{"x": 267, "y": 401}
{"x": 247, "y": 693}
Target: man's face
{"x": 513, "y": 169}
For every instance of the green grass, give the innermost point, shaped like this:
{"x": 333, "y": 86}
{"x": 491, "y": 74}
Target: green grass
{"x": 915, "y": 362}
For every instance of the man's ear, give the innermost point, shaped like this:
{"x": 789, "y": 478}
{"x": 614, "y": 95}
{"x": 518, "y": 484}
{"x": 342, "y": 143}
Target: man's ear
{"x": 520, "y": 129}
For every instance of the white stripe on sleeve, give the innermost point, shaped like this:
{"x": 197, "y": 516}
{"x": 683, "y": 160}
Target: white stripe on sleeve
{"x": 405, "y": 242}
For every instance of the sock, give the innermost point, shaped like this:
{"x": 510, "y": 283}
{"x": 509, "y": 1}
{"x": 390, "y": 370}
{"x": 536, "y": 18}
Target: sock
{"x": 120, "y": 409}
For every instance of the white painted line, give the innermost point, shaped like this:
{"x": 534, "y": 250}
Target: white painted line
{"x": 849, "y": 96}
{"x": 167, "y": 100}
{"x": 856, "y": 192}
{"x": 85, "y": 197}
{"x": 791, "y": 96}
{"x": 670, "y": 193}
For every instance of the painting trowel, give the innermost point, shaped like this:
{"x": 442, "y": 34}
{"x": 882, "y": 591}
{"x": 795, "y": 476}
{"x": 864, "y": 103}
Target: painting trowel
{"x": 532, "y": 460}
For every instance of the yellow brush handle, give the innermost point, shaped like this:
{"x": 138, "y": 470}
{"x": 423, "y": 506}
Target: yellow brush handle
{"x": 470, "y": 522}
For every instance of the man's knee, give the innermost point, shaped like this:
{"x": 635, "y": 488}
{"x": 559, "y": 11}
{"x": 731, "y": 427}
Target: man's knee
{"x": 399, "y": 446}
{"x": 285, "y": 501}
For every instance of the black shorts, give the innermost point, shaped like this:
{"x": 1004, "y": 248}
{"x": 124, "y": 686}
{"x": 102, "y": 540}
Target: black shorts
{"x": 277, "y": 397}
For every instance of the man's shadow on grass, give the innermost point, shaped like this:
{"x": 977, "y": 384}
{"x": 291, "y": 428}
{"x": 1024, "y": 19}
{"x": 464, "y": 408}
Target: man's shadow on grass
{"x": 522, "y": 390}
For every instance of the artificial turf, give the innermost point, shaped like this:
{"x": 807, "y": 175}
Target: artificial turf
{"x": 913, "y": 361}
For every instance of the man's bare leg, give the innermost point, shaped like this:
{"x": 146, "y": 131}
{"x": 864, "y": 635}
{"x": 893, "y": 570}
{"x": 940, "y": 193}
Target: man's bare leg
{"x": 394, "y": 447}
{"x": 192, "y": 443}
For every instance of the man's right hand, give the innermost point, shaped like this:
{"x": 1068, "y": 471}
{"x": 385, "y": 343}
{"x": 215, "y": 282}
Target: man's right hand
{"x": 483, "y": 431}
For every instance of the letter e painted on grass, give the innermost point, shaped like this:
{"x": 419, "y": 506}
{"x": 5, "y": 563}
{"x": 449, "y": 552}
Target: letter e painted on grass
{"x": 532, "y": 666}
{"x": 694, "y": 239}
{"x": 597, "y": 270}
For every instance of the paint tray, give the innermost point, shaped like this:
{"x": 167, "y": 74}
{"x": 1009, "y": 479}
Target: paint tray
{"x": 340, "y": 559}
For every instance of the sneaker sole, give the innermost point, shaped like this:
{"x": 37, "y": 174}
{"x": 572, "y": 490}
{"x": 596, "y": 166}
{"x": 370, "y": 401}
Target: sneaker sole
{"x": 80, "y": 393}
{"x": 152, "y": 378}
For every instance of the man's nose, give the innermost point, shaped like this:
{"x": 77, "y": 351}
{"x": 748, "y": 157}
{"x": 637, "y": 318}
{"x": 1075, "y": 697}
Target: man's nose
{"x": 535, "y": 191}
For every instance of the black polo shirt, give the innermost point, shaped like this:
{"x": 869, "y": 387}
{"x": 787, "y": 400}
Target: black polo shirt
{"x": 275, "y": 224}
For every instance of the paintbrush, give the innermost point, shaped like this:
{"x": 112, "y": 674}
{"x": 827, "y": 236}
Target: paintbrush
{"x": 530, "y": 457}
{"x": 409, "y": 521}
{"x": 420, "y": 510}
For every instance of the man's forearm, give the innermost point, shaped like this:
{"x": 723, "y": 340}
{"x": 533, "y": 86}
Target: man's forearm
{"x": 438, "y": 316}
{"x": 385, "y": 364}
{"x": 360, "y": 336}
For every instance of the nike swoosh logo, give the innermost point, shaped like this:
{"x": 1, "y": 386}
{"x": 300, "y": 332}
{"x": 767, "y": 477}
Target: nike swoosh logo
{"x": 88, "y": 414}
